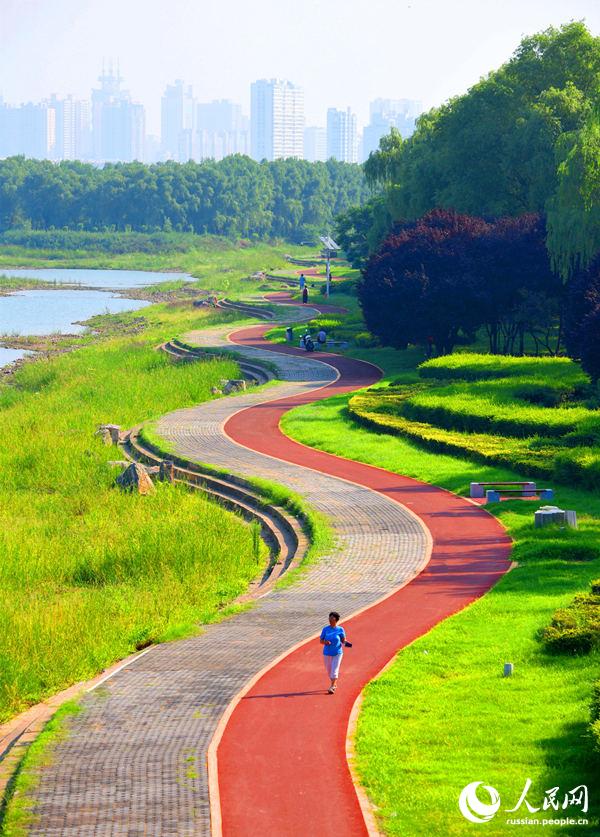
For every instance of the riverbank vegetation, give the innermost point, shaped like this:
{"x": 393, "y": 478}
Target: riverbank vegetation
{"x": 88, "y": 573}
{"x": 212, "y": 261}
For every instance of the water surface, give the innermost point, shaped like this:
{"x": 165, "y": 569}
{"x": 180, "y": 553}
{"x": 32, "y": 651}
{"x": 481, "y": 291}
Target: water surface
{"x": 117, "y": 279}
{"x": 8, "y": 355}
{"x": 56, "y": 312}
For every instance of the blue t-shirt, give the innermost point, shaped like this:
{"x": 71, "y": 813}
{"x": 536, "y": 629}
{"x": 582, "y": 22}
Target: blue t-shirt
{"x": 336, "y": 636}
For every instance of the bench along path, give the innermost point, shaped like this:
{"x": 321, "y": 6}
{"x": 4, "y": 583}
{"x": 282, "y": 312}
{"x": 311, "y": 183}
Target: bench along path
{"x": 135, "y": 760}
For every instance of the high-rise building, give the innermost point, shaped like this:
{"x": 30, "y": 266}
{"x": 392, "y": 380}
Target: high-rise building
{"x": 386, "y": 114}
{"x": 73, "y": 128}
{"x": 315, "y": 144}
{"x": 9, "y": 130}
{"x": 28, "y": 129}
{"x": 222, "y": 129}
{"x": 277, "y": 120}
{"x": 342, "y": 138}
{"x": 178, "y": 120}
{"x": 118, "y": 124}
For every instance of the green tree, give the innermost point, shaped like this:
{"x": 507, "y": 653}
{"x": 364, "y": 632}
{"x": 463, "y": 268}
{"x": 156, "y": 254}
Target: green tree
{"x": 493, "y": 151}
{"x": 574, "y": 210}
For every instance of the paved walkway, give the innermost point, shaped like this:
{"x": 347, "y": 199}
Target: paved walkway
{"x": 281, "y": 765}
{"x": 135, "y": 761}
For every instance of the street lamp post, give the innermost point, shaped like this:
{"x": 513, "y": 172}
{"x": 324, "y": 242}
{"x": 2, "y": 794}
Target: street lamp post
{"x": 330, "y": 248}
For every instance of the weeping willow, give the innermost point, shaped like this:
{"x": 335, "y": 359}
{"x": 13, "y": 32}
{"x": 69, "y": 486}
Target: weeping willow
{"x": 574, "y": 210}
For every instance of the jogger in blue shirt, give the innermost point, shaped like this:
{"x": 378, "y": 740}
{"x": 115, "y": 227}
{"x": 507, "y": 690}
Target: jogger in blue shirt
{"x": 333, "y": 639}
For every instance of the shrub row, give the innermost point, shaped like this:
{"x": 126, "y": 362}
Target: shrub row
{"x": 110, "y": 242}
{"x": 476, "y": 411}
{"x": 538, "y": 456}
{"x": 575, "y": 629}
{"x": 473, "y": 367}
{"x": 378, "y": 413}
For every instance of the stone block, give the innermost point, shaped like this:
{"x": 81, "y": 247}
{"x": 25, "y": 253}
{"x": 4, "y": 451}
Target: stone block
{"x": 549, "y": 515}
{"x": 135, "y": 478}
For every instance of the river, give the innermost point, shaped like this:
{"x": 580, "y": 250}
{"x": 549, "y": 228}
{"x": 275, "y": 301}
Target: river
{"x": 40, "y": 311}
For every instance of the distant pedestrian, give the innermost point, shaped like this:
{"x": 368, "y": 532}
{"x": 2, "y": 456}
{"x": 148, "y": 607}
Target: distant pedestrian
{"x": 322, "y": 339}
{"x": 430, "y": 346}
{"x": 302, "y": 282}
{"x": 333, "y": 639}
{"x": 304, "y": 295}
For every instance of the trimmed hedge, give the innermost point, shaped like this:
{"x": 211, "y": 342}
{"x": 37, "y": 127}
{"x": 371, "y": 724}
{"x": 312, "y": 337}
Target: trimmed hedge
{"x": 499, "y": 421}
{"x": 576, "y": 628}
{"x": 473, "y": 410}
{"x": 469, "y": 366}
{"x": 368, "y": 409}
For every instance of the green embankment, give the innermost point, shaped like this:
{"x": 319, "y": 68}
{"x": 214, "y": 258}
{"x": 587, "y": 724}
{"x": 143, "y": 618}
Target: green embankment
{"x": 443, "y": 716}
{"x": 539, "y": 414}
{"x": 89, "y": 574}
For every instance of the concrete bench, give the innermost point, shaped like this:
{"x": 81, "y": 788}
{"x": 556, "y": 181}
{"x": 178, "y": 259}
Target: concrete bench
{"x": 495, "y": 495}
{"x": 478, "y": 489}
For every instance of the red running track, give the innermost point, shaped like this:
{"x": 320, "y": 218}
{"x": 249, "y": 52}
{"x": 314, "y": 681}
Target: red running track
{"x": 282, "y": 768}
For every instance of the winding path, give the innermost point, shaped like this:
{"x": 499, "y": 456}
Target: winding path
{"x": 135, "y": 762}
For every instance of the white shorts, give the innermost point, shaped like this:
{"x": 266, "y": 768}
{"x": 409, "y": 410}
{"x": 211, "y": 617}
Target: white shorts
{"x": 332, "y": 665}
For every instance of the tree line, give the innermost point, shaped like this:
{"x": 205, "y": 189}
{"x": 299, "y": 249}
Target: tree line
{"x": 487, "y": 219}
{"x": 443, "y": 279}
{"x": 234, "y": 197}
{"x": 525, "y": 139}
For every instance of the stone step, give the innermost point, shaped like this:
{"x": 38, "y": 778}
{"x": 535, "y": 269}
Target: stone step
{"x": 283, "y": 533}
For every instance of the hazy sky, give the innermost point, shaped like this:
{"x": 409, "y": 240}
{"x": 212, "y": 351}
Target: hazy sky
{"x": 343, "y": 52}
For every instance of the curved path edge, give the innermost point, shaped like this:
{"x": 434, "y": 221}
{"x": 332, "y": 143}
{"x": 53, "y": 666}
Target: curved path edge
{"x": 255, "y": 751}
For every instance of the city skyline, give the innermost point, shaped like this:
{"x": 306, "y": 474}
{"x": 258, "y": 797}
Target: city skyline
{"x": 115, "y": 68}
{"x": 348, "y": 52}
{"x": 110, "y": 125}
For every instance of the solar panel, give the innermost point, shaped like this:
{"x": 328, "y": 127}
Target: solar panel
{"x": 329, "y": 242}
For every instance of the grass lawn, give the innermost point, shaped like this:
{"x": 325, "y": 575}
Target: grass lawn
{"x": 89, "y": 573}
{"x": 443, "y": 716}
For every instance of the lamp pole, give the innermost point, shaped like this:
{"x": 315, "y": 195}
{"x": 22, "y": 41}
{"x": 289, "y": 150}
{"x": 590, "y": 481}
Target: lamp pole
{"x": 330, "y": 247}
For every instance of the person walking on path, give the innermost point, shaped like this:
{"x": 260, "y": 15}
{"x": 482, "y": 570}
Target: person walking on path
{"x": 333, "y": 639}
{"x": 304, "y": 295}
{"x": 302, "y": 281}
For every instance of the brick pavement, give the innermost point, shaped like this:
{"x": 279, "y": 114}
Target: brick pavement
{"x": 134, "y": 762}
